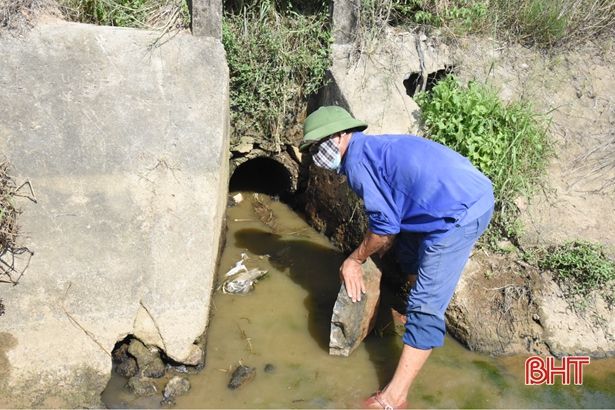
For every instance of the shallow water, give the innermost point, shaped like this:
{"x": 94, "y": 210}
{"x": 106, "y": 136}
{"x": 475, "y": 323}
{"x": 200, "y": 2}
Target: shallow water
{"x": 284, "y": 322}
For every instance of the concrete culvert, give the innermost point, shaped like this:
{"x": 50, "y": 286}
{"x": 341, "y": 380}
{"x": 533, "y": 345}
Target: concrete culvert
{"x": 263, "y": 175}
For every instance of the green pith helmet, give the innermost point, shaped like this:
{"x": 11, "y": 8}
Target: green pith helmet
{"x": 326, "y": 121}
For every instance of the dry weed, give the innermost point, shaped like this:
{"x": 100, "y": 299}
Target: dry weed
{"x": 162, "y": 15}
{"x": 9, "y": 251}
{"x": 17, "y": 16}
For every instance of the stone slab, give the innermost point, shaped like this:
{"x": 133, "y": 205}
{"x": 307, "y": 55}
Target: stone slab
{"x": 370, "y": 84}
{"x": 126, "y": 147}
{"x": 345, "y": 17}
{"x": 207, "y": 18}
{"x": 351, "y": 322}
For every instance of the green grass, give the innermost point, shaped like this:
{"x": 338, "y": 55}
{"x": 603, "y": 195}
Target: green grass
{"x": 581, "y": 267}
{"x": 553, "y": 23}
{"x": 276, "y": 59}
{"x": 508, "y": 143}
{"x": 465, "y": 14}
{"x": 542, "y": 23}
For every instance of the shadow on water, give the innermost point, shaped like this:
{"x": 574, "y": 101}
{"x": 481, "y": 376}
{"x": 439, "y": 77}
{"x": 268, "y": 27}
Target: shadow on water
{"x": 308, "y": 264}
{"x": 315, "y": 268}
{"x": 290, "y": 329}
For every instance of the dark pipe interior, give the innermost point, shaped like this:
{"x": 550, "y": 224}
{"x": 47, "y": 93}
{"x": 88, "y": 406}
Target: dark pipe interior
{"x": 263, "y": 175}
{"x": 415, "y": 80}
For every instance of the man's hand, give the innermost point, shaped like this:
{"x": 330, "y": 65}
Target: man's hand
{"x": 351, "y": 273}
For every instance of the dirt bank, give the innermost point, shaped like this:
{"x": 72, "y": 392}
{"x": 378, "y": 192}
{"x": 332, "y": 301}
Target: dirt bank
{"x": 574, "y": 90}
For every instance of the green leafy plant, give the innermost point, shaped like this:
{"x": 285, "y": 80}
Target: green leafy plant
{"x": 507, "y": 143}
{"x": 581, "y": 267}
{"x": 275, "y": 59}
{"x": 461, "y": 14}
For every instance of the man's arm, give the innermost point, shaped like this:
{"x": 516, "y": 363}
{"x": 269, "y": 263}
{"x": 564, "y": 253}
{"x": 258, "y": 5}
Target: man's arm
{"x": 352, "y": 273}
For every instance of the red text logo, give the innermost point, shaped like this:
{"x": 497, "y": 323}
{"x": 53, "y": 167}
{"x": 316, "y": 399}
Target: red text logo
{"x": 540, "y": 371}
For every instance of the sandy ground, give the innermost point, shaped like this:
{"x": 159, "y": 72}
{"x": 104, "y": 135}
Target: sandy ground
{"x": 575, "y": 90}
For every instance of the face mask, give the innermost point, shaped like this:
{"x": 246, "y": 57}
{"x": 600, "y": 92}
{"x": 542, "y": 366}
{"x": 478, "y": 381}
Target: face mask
{"x": 328, "y": 156}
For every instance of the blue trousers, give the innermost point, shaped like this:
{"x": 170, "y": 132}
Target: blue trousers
{"x": 438, "y": 260}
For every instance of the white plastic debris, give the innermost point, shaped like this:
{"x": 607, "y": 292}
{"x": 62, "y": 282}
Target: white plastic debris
{"x": 244, "y": 282}
{"x": 237, "y": 198}
{"x": 239, "y": 266}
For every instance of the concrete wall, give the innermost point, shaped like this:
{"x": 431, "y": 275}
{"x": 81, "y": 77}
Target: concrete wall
{"x": 206, "y": 18}
{"x": 126, "y": 148}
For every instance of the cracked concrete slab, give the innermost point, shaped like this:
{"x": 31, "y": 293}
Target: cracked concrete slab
{"x": 370, "y": 83}
{"x": 126, "y": 148}
{"x": 149, "y": 332}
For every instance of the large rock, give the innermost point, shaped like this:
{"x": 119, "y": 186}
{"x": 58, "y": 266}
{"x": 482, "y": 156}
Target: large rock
{"x": 351, "y": 322}
{"x": 519, "y": 310}
{"x": 126, "y": 147}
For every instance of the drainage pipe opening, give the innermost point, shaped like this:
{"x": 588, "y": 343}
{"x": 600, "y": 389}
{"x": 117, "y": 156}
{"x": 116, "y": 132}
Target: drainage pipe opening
{"x": 263, "y": 175}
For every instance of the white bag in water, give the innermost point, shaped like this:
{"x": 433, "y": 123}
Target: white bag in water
{"x": 244, "y": 282}
{"x": 239, "y": 266}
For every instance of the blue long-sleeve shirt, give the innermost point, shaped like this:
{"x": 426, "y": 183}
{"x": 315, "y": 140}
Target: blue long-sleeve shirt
{"x": 413, "y": 184}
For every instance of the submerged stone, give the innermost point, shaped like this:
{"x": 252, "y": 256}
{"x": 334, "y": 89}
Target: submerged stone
{"x": 125, "y": 364}
{"x": 241, "y": 375}
{"x": 155, "y": 368}
{"x": 142, "y": 386}
{"x": 121, "y": 353}
{"x": 127, "y": 368}
{"x": 269, "y": 368}
{"x": 177, "y": 386}
{"x": 351, "y": 322}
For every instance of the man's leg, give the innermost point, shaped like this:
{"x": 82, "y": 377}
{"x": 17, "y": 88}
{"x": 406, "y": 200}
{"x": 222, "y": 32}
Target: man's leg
{"x": 440, "y": 266}
{"x": 410, "y": 363}
{"x": 412, "y": 359}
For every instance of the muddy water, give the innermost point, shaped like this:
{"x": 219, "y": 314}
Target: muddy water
{"x": 284, "y": 322}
